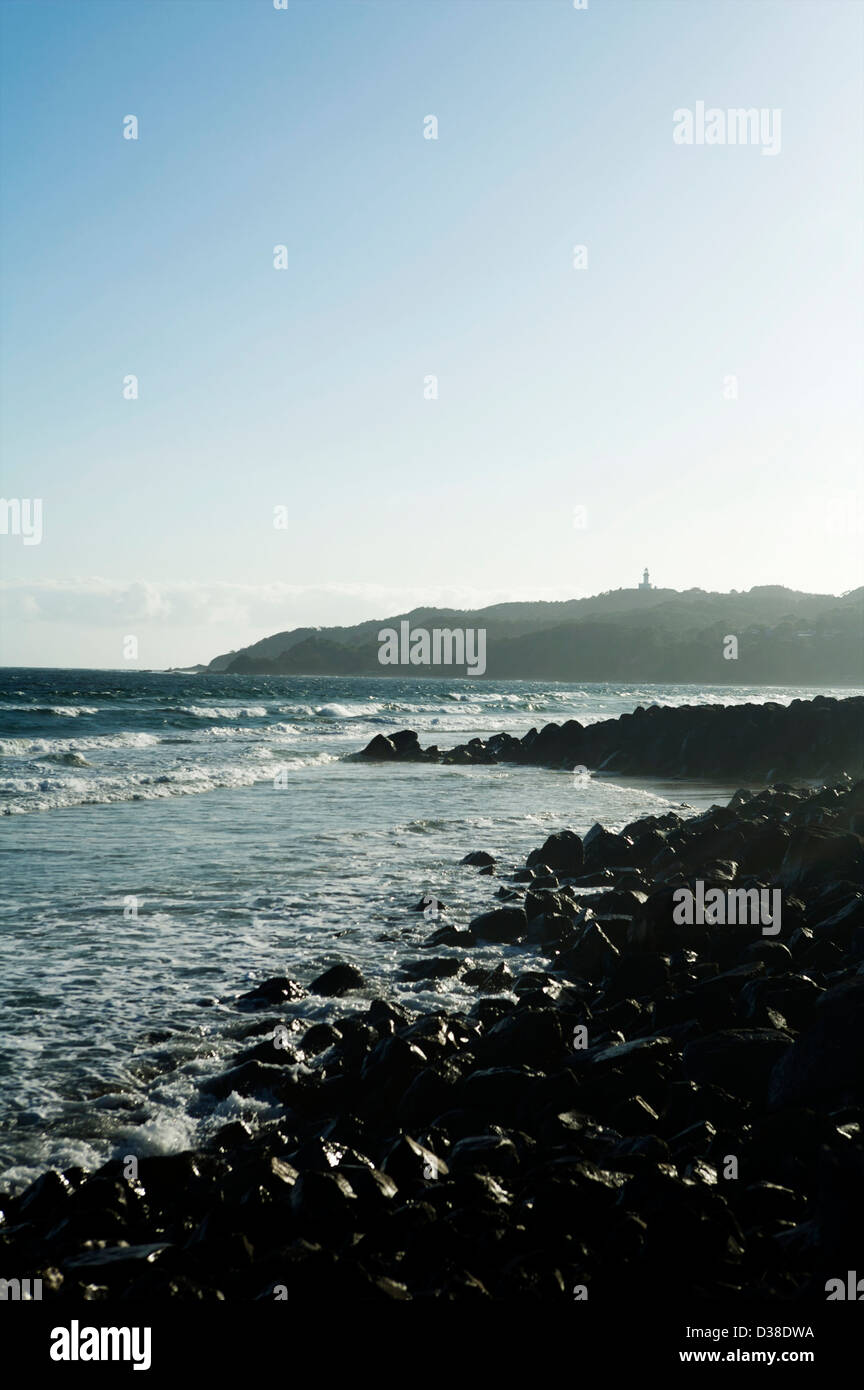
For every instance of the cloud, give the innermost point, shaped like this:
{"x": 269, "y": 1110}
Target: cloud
{"x": 95, "y": 602}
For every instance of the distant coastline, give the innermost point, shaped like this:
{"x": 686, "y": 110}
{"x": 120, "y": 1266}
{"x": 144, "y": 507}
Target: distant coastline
{"x": 769, "y": 635}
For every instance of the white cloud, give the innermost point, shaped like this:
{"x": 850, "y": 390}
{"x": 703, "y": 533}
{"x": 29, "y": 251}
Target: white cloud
{"x": 94, "y": 602}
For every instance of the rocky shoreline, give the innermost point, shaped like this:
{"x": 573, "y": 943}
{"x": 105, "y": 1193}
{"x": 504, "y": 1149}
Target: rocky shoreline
{"x": 767, "y": 742}
{"x": 667, "y": 1110}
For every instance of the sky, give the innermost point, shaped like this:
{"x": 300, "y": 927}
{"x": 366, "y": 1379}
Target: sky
{"x": 435, "y": 399}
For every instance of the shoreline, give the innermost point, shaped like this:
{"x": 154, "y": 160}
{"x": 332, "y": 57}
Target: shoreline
{"x": 486, "y": 1153}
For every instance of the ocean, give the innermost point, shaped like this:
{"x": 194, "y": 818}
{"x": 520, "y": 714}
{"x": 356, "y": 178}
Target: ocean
{"x": 170, "y": 839}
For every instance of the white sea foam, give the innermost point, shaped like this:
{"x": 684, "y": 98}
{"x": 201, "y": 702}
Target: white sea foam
{"x": 19, "y": 795}
{"x": 64, "y": 711}
{"x": 336, "y": 711}
{"x": 226, "y": 712}
{"x": 39, "y": 747}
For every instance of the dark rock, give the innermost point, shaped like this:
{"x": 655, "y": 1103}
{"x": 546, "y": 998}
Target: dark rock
{"x": 603, "y": 849}
{"x": 409, "y": 1164}
{"x": 498, "y": 1090}
{"x": 592, "y": 957}
{"x": 826, "y": 1063}
{"x": 561, "y": 852}
{"x": 491, "y": 1153}
{"x": 532, "y": 1037}
{"x": 318, "y": 1038}
{"x": 817, "y": 853}
{"x": 101, "y": 1264}
{"x": 738, "y": 1059}
{"x": 249, "y": 1079}
{"x": 504, "y": 924}
{"x": 433, "y": 968}
{"x": 489, "y": 981}
{"x": 379, "y": 747}
{"x": 449, "y": 936}
{"x": 322, "y": 1202}
{"x": 429, "y": 903}
{"x": 47, "y": 1196}
{"x": 339, "y": 979}
{"x": 279, "y": 990}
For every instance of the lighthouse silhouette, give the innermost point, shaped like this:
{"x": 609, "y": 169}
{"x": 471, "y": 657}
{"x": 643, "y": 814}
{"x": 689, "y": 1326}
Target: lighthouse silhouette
{"x": 646, "y": 582}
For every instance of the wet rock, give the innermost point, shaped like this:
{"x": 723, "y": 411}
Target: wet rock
{"x": 318, "y": 1038}
{"x": 410, "y": 1164}
{"x": 323, "y": 1202}
{"x": 637, "y": 976}
{"x": 479, "y": 858}
{"x": 775, "y": 954}
{"x": 489, "y": 981}
{"x": 499, "y": 1091}
{"x": 548, "y": 928}
{"x": 532, "y": 1036}
{"x": 792, "y": 996}
{"x": 503, "y": 924}
{"x": 437, "y": 1034}
{"x": 248, "y": 1079}
{"x": 449, "y": 936}
{"x": 598, "y": 878}
{"x": 839, "y": 920}
{"x": 278, "y": 990}
{"x": 375, "y": 1191}
{"x": 274, "y": 1051}
{"x": 433, "y": 968}
{"x": 338, "y": 980}
{"x": 112, "y": 1260}
{"x": 162, "y": 1176}
{"x": 489, "y": 1153}
{"x": 819, "y": 852}
{"x": 603, "y": 849}
{"x": 380, "y": 748}
{"x": 430, "y": 904}
{"x": 561, "y": 852}
{"x": 386, "y": 1016}
{"x": 765, "y": 1202}
{"x": 406, "y": 743}
{"x": 593, "y": 956}
{"x": 392, "y": 1064}
{"x": 738, "y": 1059}
{"x": 47, "y": 1196}
{"x": 825, "y": 1065}
{"x": 235, "y": 1135}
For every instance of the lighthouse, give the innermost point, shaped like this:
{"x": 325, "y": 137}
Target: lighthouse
{"x": 646, "y": 582}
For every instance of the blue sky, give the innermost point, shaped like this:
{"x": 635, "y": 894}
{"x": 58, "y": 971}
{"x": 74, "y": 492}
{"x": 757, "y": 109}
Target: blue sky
{"x": 600, "y": 388}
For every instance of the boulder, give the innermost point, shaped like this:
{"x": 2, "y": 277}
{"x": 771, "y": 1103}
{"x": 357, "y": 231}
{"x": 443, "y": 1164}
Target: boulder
{"x": 503, "y": 924}
{"x": 818, "y": 853}
{"x": 561, "y": 852}
{"x": 740, "y": 1060}
{"x": 338, "y": 980}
